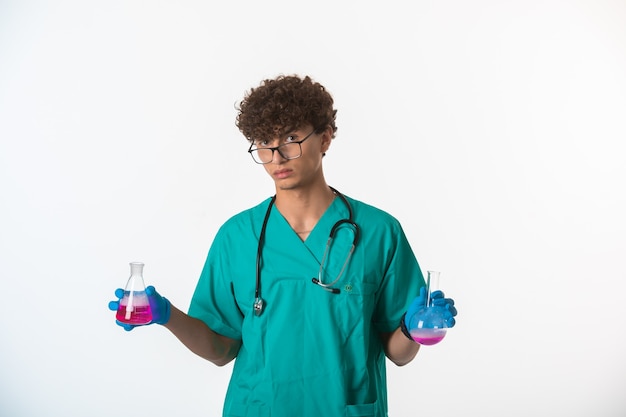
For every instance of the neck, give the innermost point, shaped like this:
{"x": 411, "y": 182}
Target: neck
{"x": 302, "y": 208}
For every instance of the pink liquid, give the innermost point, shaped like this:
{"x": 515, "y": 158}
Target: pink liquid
{"x": 428, "y": 336}
{"x": 428, "y": 340}
{"x": 140, "y": 313}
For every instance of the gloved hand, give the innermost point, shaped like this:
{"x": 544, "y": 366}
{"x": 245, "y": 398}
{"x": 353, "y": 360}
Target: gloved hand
{"x": 416, "y": 304}
{"x": 160, "y": 306}
{"x": 437, "y": 299}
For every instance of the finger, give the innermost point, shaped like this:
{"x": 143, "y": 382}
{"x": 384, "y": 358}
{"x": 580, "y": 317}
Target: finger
{"x": 150, "y": 290}
{"x": 443, "y": 301}
{"x": 452, "y": 310}
{"x": 416, "y": 304}
{"x": 125, "y": 326}
{"x": 447, "y": 304}
{"x": 423, "y": 292}
{"x": 439, "y": 302}
{"x": 119, "y": 293}
{"x": 451, "y": 322}
{"x": 114, "y": 305}
{"x": 436, "y": 294}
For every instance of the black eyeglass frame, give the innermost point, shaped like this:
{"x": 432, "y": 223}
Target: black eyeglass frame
{"x": 277, "y": 148}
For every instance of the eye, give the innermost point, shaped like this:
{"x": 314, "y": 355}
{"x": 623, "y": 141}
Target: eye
{"x": 290, "y": 138}
{"x": 263, "y": 143}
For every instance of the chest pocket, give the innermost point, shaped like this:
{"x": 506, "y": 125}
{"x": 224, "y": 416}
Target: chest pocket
{"x": 354, "y": 305}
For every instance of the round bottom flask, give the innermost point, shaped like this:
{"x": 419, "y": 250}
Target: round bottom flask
{"x": 428, "y": 326}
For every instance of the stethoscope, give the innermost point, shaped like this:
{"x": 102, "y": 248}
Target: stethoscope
{"x": 259, "y": 303}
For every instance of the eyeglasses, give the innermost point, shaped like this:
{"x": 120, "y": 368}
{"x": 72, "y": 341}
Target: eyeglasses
{"x": 289, "y": 150}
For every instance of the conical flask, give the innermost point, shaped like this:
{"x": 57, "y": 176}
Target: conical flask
{"x": 134, "y": 307}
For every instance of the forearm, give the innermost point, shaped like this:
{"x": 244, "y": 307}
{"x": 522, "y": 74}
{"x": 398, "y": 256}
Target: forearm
{"x": 398, "y": 348}
{"x": 201, "y": 340}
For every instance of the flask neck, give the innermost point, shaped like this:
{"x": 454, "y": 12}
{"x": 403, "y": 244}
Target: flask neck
{"x": 136, "y": 269}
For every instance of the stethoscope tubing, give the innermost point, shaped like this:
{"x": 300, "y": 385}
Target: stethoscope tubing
{"x": 259, "y": 304}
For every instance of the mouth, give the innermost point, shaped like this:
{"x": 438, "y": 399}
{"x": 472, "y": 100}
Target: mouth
{"x": 282, "y": 173}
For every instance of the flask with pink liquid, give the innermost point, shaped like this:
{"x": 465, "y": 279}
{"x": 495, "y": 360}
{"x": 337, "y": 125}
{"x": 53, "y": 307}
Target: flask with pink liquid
{"x": 134, "y": 307}
{"x": 428, "y": 325}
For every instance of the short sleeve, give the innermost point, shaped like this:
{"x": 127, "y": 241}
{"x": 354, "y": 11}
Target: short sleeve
{"x": 401, "y": 282}
{"x": 213, "y": 300}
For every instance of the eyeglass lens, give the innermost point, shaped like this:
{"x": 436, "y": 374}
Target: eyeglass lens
{"x": 287, "y": 151}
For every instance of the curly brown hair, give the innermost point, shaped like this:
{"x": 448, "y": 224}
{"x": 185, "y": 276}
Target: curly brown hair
{"x": 281, "y": 105}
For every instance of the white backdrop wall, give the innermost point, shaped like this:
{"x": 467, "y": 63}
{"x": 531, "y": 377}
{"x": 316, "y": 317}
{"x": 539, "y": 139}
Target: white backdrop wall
{"x": 493, "y": 130}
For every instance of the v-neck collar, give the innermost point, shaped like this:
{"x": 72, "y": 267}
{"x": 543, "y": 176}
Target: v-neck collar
{"x": 315, "y": 243}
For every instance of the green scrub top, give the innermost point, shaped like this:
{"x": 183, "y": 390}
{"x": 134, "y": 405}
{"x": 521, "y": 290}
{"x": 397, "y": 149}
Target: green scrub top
{"x": 311, "y": 352}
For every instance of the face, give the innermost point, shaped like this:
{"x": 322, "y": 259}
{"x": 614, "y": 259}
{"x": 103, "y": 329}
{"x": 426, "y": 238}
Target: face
{"x": 297, "y": 173}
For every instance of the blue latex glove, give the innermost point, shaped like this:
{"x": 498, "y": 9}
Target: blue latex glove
{"x": 160, "y": 306}
{"x": 437, "y": 299}
{"x": 416, "y": 304}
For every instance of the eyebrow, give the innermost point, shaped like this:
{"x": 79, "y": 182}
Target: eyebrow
{"x": 285, "y": 135}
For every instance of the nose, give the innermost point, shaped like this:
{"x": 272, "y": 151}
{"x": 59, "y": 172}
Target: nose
{"x": 277, "y": 158}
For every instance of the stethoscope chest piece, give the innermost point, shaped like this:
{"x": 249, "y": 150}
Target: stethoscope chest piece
{"x": 258, "y": 306}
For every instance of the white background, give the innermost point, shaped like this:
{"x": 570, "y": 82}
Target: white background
{"x": 493, "y": 130}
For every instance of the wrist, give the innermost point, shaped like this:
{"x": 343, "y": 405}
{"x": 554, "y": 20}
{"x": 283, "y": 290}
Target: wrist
{"x": 404, "y": 329}
{"x": 161, "y": 311}
{"x": 167, "y": 311}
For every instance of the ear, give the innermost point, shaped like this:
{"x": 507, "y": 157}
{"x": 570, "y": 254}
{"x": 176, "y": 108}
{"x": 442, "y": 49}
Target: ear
{"x": 327, "y": 138}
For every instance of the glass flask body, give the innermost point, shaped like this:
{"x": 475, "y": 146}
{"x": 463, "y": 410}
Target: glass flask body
{"x": 428, "y": 325}
{"x": 134, "y": 307}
